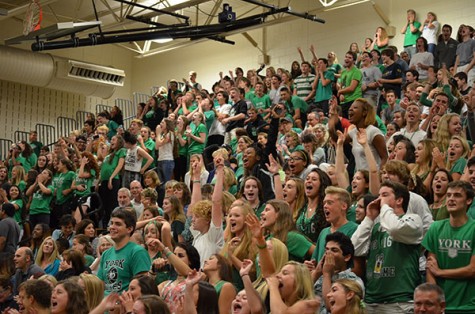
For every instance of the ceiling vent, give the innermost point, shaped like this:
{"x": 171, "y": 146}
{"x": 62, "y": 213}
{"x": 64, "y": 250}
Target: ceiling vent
{"x": 93, "y": 73}
{"x": 45, "y": 70}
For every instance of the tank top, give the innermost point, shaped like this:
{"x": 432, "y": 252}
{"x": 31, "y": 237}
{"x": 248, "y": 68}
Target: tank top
{"x": 133, "y": 162}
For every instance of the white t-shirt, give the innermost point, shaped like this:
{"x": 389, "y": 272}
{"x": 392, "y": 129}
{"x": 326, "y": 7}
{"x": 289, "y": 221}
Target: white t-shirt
{"x": 210, "y": 243}
{"x": 430, "y": 34}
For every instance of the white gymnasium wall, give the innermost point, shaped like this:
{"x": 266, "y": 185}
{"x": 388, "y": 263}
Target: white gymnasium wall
{"x": 342, "y": 27}
{"x": 21, "y": 106}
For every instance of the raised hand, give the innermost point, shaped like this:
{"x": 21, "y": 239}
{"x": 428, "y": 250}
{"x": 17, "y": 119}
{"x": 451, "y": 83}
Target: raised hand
{"x": 193, "y": 278}
{"x": 273, "y": 165}
{"x": 254, "y": 226}
{"x": 361, "y": 136}
{"x": 245, "y": 267}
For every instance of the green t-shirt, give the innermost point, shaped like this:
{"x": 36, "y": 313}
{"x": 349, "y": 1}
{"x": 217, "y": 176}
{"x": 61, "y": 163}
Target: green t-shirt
{"x": 454, "y": 248}
{"x": 298, "y": 246}
{"x": 347, "y": 229}
{"x": 459, "y": 166}
{"x": 249, "y": 95}
{"x": 64, "y": 182}
{"x": 113, "y": 126}
{"x": 209, "y": 115}
{"x": 347, "y": 76}
{"x": 335, "y": 68}
{"x": 296, "y": 103}
{"x": 351, "y": 212}
{"x": 87, "y": 182}
{"x": 27, "y": 162}
{"x": 150, "y": 145}
{"x": 17, "y": 215}
{"x": 40, "y": 204}
{"x": 261, "y": 103}
{"x": 183, "y": 150}
{"x": 471, "y": 211}
{"x": 107, "y": 169}
{"x": 22, "y": 186}
{"x": 118, "y": 267}
{"x": 410, "y": 38}
{"x": 325, "y": 92}
{"x": 389, "y": 278}
{"x": 194, "y": 147}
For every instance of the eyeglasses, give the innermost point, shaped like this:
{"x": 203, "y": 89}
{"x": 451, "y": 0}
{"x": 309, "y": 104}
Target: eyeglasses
{"x": 295, "y": 158}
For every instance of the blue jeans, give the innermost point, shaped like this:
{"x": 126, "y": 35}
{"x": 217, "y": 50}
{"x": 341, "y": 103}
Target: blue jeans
{"x": 165, "y": 169}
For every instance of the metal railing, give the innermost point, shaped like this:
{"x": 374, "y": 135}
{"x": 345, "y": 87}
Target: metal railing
{"x": 5, "y": 145}
{"x": 46, "y": 134}
{"x": 21, "y": 136}
{"x": 128, "y": 110}
{"x": 65, "y": 126}
{"x": 81, "y": 118}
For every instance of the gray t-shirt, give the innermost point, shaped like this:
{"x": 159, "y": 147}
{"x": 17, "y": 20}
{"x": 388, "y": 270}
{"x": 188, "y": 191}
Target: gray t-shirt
{"x": 10, "y": 230}
{"x": 358, "y": 150}
{"x": 370, "y": 75}
{"x": 465, "y": 51}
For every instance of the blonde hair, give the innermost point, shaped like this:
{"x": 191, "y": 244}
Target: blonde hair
{"x": 221, "y": 152}
{"x": 441, "y": 135}
{"x": 50, "y": 279}
{"x": 103, "y": 128}
{"x": 280, "y": 256}
{"x": 94, "y": 288}
{"x": 303, "y": 282}
{"x": 284, "y": 222}
{"x": 427, "y": 146}
{"x": 355, "y": 305}
{"x": 229, "y": 178}
{"x": 301, "y": 199}
{"x": 54, "y": 255}
{"x": 202, "y": 209}
{"x": 245, "y": 249}
{"x": 20, "y": 175}
{"x": 343, "y": 195}
{"x": 466, "y": 149}
{"x": 152, "y": 174}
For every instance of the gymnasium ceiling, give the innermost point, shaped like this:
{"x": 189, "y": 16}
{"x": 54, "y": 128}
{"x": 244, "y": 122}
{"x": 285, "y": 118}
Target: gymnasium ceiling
{"x": 116, "y": 15}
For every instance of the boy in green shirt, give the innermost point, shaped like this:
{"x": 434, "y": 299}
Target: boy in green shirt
{"x": 450, "y": 243}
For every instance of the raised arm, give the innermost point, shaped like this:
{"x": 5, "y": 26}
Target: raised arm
{"x": 253, "y": 297}
{"x": 273, "y": 167}
{"x": 265, "y": 257}
{"x": 372, "y": 165}
{"x": 147, "y": 156}
{"x": 341, "y": 178}
{"x": 217, "y": 209}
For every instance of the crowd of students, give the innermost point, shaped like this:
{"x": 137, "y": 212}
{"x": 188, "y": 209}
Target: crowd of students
{"x": 328, "y": 188}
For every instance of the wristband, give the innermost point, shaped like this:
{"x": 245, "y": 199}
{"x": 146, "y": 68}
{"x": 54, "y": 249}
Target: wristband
{"x": 167, "y": 254}
{"x": 276, "y": 174}
{"x": 261, "y": 247}
{"x": 196, "y": 181}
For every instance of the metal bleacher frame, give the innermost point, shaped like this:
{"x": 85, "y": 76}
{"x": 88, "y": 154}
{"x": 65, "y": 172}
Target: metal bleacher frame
{"x": 128, "y": 110}
{"x": 21, "y": 136}
{"x": 81, "y": 117}
{"x": 46, "y": 134}
{"x": 100, "y": 108}
{"x": 140, "y": 97}
{"x": 5, "y": 145}
{"x": 65, "y": 126}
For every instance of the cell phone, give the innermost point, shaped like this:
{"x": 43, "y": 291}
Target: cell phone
{"x": 95, "y": 137}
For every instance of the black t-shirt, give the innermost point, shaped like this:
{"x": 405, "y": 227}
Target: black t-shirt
{"x": 237, "y": 108}
{"x": 394, "y": 71}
